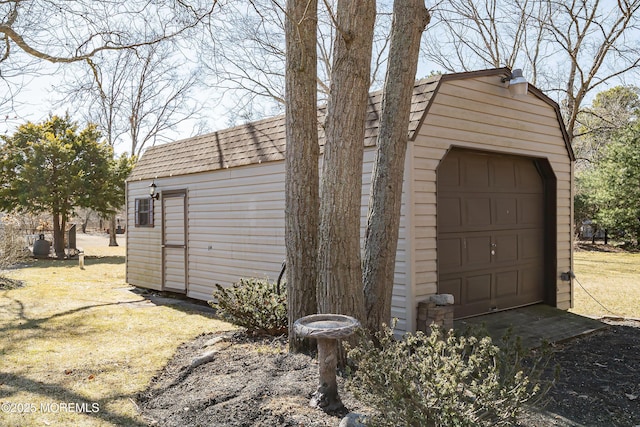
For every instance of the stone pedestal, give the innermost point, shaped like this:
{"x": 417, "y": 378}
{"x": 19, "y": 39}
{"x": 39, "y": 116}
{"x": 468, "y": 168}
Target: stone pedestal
{"x": 326, "y": 396}
{"x": 327, "y": 329}
{"x": 430, "y": 312}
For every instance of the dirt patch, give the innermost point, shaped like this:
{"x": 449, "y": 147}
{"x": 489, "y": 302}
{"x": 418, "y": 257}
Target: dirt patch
{"x": 249, "y": 382}
{"x": 6, "y": 283}
{"x": 257, "y": 383}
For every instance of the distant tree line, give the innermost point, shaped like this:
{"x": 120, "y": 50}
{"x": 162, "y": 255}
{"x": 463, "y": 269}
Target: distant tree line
{"x": 608, "y": 166}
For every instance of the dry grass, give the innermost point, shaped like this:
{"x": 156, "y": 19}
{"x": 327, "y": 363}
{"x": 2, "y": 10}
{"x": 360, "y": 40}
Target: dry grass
{"x": 612, "y": 278}
{"x": 83, "y": 337}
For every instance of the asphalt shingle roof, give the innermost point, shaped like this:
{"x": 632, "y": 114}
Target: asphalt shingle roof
{"x": 257, "y": 142}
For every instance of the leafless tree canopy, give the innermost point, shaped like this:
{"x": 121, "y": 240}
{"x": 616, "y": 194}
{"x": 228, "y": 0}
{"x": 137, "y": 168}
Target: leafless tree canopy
{"x": 468, "y": 34}
{"x": 599, "y": 41}
{"x": 135, "y": 95}
{"x": 67, "y": 31}
{"x": 243, "y": 54}
{"x": 568, "y": 48}
{"x": 610, "y": 111}
{"x": 77, "y": 29}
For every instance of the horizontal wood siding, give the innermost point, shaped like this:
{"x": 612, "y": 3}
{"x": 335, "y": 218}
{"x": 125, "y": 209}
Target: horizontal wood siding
{"x": 479, "y": 114}
{"x": 144, "y": 252}
{"x": 236, "y": 226}
{"x": 400, "y": 302}
{"x": 235, "y": 230}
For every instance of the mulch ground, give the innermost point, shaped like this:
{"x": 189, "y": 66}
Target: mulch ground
{"x": 255, "y": 382}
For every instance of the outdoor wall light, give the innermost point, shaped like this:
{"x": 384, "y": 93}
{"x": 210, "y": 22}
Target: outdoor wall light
{"x": 518, "y": 85}
{"x": 152, "y": 191}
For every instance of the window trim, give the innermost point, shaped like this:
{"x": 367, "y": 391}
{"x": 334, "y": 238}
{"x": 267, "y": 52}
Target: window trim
{"x": 148, "y": 213}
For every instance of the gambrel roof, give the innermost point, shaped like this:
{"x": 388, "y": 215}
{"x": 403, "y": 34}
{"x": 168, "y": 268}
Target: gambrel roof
{"x": 256, "y": 142}
{"x": 264, "y": 140}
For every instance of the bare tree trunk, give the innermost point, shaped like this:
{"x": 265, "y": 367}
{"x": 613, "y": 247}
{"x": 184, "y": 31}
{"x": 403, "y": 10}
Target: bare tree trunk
{"x": 301, "y": 163}
{"x": 58, "y": 235}
{"x": 85, "y": 222}
{"x": 340, "y": 270}
{"x": 112, "y": 230}
{"x": 410, "y": 17}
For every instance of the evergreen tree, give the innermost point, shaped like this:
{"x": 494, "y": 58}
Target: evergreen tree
{"x": 55, "y": 167}
{"x": 615, "y": 185}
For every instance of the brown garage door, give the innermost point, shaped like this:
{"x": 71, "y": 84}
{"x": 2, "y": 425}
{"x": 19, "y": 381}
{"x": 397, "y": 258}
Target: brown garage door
{"x": 490, "y": 231}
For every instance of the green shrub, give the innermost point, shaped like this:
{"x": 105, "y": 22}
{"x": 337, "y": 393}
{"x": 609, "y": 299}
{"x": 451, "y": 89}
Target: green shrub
{"x": 254, "y": 304}
{"x": 444, "y": 379}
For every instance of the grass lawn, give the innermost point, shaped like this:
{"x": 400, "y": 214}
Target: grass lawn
{"x": 77, "y": 345}
{"x": 612, "y": 278}
{"x": 82, "y": 337}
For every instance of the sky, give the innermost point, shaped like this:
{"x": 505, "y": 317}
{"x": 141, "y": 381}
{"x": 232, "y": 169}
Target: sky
{"x": 36, "y": 101}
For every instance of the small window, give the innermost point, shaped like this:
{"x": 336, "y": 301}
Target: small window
{"x": 144, "y": 212}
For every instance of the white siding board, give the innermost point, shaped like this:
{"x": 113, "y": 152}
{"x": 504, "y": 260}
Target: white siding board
{"x": 230, "y": 255}
{"x": 196, "y": 294}
{"x": 488, "y": 135}
{"x": 204, "y": 282}
{"x": 425, "y": 175}
{"x": 253, "y": 189}
{"x": 199, "y": 207}
{"x": 226, "y": 274}
{"x": 246, "y": 213}
{"x": 564, "y": 212}
{"x": 425, "y": 266}
{"x": 504, "y": 118}
{"x": 422, "y": 163}
{"x": 247, "y": 266}
{"x": 500, "y": 145}
{"x": 506, "y": 107}
{"x": 425, "y": 244}
{"x": 424, "y": 209}
{"x": 200, "y": 233}
{"x": 261, "y": 242}
{"x": 235, "y": 229}
{"x": 144, "y": 266}
{"x": 564, "y": 185}
{"x": 425, "y": 232}
{"x": 494, "y": 94}
{"x": 485, "y": 118}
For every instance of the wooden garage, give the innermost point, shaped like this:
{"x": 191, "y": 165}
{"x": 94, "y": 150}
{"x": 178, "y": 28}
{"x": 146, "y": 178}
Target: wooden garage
{"x": 486, "y": 216}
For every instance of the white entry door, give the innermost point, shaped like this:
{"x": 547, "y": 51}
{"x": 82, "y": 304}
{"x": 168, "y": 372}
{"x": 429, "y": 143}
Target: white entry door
{"x": 174, "y": 242}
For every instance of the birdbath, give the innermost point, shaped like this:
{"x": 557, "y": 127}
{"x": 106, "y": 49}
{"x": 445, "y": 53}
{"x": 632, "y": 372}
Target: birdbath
{"x": 327, "y": 329}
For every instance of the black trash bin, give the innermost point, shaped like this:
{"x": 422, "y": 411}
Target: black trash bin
{"x": 41, "y": 247}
